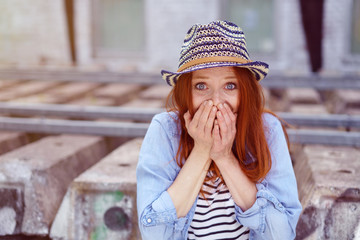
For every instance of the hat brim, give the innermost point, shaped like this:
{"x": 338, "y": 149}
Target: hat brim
{"x": 259, "y": 69}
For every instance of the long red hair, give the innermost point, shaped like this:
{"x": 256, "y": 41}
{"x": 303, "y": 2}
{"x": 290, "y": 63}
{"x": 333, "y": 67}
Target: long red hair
{"x": 250, "y": 145}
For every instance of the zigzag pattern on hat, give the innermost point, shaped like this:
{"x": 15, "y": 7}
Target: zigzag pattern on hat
{"x": 216, "y": 44}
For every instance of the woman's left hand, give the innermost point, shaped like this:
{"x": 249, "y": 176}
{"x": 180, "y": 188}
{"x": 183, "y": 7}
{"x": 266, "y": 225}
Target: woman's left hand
{"x": 223, "y": 133}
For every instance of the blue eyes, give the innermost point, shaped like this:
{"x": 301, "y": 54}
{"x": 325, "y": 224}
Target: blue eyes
{"x": 200, "y": 86}
{"x": 228, "y": 86}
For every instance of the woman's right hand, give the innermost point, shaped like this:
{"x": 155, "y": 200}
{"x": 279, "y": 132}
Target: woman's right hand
{"x": 201, "y": 125}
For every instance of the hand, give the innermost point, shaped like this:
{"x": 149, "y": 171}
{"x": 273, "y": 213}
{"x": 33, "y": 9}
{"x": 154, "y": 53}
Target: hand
{"x": 223, "y": 134}
{"x": 201, "y": 125}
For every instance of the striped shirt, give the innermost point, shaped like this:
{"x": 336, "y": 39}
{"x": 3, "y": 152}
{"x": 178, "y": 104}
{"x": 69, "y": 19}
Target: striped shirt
{"x": 215, "y": 215}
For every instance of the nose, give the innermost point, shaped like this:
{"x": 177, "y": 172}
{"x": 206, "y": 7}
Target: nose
{"x": 216, "y": 98}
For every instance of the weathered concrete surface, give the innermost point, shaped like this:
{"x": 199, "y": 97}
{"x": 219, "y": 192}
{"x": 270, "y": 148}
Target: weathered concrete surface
{"x": 120, "y": 92}
{"x": 70, "y": 92}
{"x": 101, "y": 202}
{"x": 275, "y": 100}
{"x": 308, "y": 109}
{"x": 62, "y": 93}
{"x": 339, "y": 101}
{"x": 26, "y": 89}
{"x": 329, "y": 190}
{"x": 11, "y": 140}
{"x": 9, "y": 83}
{"x": 156, "y": 92}
{"x": 145, "y": 103}
{"x": 302, "y": 95}
{"x": 34, "y": 179}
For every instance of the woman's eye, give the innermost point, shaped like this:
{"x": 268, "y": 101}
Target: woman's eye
{"x": 230, "y": 86}
{"x": 200, "y": 86}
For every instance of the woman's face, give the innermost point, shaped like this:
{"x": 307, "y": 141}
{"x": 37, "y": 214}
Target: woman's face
{"x": 219, "y": 84}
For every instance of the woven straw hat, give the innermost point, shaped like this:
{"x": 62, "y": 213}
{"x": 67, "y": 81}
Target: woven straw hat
{"x": 217, "y": 44}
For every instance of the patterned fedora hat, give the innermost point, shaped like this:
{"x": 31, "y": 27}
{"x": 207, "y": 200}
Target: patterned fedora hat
{"x": 217, "y": 44}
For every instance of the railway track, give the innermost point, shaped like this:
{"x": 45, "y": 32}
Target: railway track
{"x": 104, "y": 111}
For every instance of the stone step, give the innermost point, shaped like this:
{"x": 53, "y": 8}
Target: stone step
{"x": 93, "y": 101}
{"x": 342, "y": 100}
{"x": 145, "y": 103}
{"x": 302, "y": 95}
{"x": 308, "y": 109}
{"x": 9, "y": 83}
{"x": 120, "y": 93}
{"x": 12, "y": 140}
{"x": 101, "y": 202}
{"x": 329, "y": 190}
{"x": 62, "y": 94}
{"x": 26, "y": 89}
{"x": 156, "y": 92}
{"x": 34, "y": 179}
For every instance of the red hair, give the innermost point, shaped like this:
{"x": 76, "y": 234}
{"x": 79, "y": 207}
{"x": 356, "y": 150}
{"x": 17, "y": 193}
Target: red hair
{"x": 250, "y": 145}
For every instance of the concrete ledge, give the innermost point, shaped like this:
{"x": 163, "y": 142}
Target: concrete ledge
{"x": 36, "y": 177}
{"x": 101, "y": 202}
{"x": 329, "y": 190}
{"x": 12, "y": 140}
{"x": 160, "y": 91}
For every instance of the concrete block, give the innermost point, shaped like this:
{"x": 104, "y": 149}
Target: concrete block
{"x": 276, "y": 101}
{"x": 156, "y": 92}
{"x": 94, "y": 101}
{"x": 145, "y": 103}
{"x": 101, "y": 202}
{"x": 26, "y": 89}
{"x": 302, "y": 95}
{"x": 9, "y": 83}
{"x": 346, "y": 99}
{"x": 308, "y": 109}
{"x": 67, "y": 92}
{"x": 119, "y": 92}
{"x": 36, "y": 177}
{"x": 329, "y": 190}
{"x": 11, "y": 140}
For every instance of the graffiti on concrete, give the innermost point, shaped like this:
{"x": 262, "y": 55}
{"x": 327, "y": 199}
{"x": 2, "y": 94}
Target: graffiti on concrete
{"x": 339, "y": 218}
{"x": 110, "y": 215}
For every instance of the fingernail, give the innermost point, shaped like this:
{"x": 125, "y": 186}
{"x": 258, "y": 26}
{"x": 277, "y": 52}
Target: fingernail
{"x": 210, "y": 103}
{"x": 213, "y": 109}
{"x": 221, "y": 105}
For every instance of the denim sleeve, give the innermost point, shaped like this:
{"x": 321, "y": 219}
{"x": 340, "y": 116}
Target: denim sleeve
{"x": 277, "y": 208}
{"x": 155, "y": 172}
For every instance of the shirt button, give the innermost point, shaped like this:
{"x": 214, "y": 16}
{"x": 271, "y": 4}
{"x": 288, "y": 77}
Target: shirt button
{"x": 149, "y": 220}
{"x": 262, "y": 202}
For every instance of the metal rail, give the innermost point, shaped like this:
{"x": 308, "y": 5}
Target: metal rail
{"x": 337, "y": 138}
{"x": 54, "y": 126}
{"x": 75, "y": 111}
{"x": 124, "y": 129}
{"x": 326, "y": 120}
{"x": 146, "y": 114}
{"x": 82, "y": 76}
{"x": 273, "y": 80}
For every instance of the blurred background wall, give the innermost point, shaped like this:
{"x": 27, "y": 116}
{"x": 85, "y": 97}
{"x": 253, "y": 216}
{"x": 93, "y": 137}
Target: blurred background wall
{"x": 33, "y": 33}
{"x": 146, "y": 35}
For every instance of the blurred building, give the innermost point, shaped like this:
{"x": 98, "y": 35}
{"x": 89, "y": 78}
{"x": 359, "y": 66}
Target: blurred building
{"x": 146, "y": 35}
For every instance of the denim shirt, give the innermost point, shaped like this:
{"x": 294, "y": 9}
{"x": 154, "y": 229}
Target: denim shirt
{"x": 274, "y": 214}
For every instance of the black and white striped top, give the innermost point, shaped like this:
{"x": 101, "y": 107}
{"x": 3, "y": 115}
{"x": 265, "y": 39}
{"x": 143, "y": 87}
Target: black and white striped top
{"x": 215, "y": 216}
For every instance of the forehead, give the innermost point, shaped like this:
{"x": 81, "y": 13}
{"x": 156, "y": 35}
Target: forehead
{"x": 215, "y": 72}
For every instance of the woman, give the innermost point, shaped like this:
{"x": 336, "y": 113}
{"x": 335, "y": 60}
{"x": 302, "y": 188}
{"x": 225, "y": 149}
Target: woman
{"x": 217, "y": 165}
